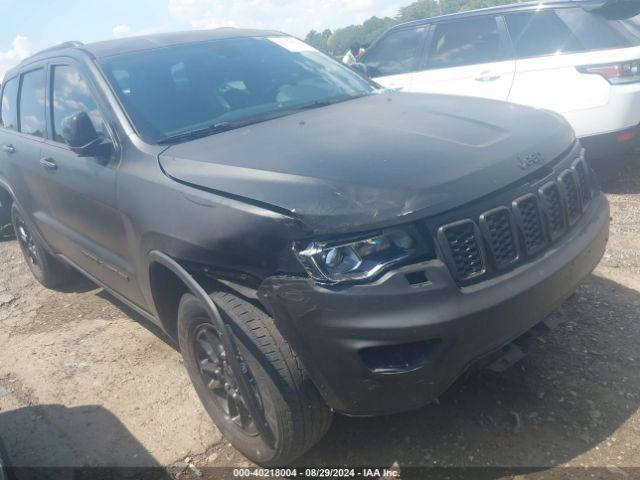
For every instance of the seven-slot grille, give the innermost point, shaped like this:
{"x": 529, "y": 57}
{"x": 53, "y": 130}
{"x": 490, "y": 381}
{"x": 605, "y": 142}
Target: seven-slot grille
{"x": 507, "y": 235}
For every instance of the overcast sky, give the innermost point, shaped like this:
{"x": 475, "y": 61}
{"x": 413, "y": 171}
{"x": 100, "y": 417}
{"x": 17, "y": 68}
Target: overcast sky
{"x": 30, "y": 25}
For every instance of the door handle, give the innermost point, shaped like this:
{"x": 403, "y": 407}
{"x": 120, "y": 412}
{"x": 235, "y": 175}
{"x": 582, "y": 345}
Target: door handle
{"x": 488, "y": 77}
{"x": 49, "y": 163}
{"x": 9, "y": 148}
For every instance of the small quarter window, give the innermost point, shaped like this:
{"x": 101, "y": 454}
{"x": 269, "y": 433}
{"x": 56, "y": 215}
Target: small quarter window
{"x": 9, "y": 104}
{"x": 32, "y": 110}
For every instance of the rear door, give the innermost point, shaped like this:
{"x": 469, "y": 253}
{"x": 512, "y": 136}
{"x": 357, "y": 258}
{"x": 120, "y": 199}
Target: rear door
{"x": 8, "y": 123}
{"x": 392, "y": 60}
{"x": 470, "y": 57}
{"x": 24, "y": 126}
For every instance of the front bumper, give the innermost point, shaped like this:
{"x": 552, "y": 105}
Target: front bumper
{"x": 439, "y": 327}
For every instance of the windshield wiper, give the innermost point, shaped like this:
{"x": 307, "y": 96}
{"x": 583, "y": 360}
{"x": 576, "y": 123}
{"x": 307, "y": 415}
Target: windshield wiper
{"x": 326, "y": 103}
{"x": 219, "y": 127}
{"x": 199, "y": 132}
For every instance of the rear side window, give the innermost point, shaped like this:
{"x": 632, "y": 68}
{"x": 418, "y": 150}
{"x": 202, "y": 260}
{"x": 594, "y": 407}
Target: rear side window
{"x": 396, "y": 53}
{"x": 541, "y": 33}
{"x": 32, "y": 116}
{"x": 468, "y": 42}
{"x": 598, "y": 33}
{"x": 569, "y": 30}
{"x": 71, "y": 95}
{"x": 9, "y": 104}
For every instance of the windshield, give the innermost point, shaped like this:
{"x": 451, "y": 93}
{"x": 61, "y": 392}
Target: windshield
{"x": 172, "y": 91}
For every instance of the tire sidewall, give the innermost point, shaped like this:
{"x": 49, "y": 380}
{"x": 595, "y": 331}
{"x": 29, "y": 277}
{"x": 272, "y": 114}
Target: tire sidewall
{"x": 39, "y": 271}
{"x": 191, "y": 315}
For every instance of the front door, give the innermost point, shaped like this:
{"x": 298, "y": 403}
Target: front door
{"x": 87, "y": 226}
{"x": 469, "y": 57}
{"x": 392, "y": 60}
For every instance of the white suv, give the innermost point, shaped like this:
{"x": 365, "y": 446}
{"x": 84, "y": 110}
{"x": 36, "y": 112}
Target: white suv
{"x": 577, "y": 58}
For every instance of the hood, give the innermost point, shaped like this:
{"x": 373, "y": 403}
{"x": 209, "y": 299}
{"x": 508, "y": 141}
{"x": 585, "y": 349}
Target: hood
{"x": 375, "y": 160}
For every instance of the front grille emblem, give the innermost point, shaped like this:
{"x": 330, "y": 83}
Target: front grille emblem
{"x": 531, "y": 160}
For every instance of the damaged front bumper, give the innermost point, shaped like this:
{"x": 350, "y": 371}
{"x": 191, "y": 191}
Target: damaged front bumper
{"x": 398, "y": 343}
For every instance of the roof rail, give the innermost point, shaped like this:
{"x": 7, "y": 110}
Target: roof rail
{"x": 60, "y": 46}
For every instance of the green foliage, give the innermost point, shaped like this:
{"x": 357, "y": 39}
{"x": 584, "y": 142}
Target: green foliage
{"x": 358, "y": 35}
{"x": 319, "y": 40}
{"x": 337, "y": 43}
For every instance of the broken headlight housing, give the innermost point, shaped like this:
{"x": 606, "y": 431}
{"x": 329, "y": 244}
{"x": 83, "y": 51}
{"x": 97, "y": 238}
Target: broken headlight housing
{"x": 362, "y": 258}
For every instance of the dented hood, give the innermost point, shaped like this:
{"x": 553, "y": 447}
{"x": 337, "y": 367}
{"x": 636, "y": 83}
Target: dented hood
{"x": 376, "y": 160}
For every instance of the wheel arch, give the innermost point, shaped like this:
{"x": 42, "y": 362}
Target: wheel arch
{"x": 169, "y": 270}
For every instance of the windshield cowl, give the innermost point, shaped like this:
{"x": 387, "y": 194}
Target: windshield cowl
{"x": 227, "y": 126}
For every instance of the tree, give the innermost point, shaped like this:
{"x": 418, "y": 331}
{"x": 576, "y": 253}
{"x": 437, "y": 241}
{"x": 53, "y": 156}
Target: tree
{"x": 419, "y": 10}
{"x": 358, "y": 35}
{"x": 319, "y": 40}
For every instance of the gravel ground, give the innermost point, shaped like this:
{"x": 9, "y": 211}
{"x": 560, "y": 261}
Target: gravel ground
{"x": 85, "y": 381}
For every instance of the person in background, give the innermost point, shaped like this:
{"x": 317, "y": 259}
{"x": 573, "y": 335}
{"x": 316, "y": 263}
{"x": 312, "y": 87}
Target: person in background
{"x": 352, "y": 55}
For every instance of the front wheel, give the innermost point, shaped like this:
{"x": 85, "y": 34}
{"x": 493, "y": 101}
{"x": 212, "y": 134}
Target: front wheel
{"x": 293, "y": 408}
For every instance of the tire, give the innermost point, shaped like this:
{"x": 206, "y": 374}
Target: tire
{"x": 5, "y": 215}
{"x": 295, "y": 411}
{"x": 47, "y": 269}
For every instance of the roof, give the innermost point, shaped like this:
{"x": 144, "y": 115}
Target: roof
{"x": 148, "y": 42}
{"x": 512, "y": 7}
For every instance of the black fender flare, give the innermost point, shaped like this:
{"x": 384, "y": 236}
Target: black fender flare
{"x": 226, "y": 335}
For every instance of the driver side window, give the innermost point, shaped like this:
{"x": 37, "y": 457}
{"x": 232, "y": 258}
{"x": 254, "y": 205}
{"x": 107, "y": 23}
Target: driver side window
{"x": 397, "y": 53}
{"x": 70, "y": 95}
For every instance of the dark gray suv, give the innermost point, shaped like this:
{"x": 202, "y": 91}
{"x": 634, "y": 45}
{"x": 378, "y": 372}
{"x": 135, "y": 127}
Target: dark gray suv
{"x": 312, "y": 242}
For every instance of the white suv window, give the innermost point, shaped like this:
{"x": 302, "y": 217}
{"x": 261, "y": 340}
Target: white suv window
{"x": 397, "y": 53}
{"x": 467, "y": 42}
{"x": 568, "y": 30}
{"x": 598, "y": 33}
{"x": 540, "y": 33}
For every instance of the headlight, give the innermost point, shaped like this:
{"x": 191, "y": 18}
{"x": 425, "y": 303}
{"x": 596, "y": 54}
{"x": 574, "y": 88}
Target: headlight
{"x": 361, "y": 258}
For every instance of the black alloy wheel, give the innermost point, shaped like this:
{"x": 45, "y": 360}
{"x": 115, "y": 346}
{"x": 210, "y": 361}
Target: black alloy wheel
{"x": 217, "y": 375}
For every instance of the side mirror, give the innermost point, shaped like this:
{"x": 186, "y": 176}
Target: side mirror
{"x": 361, "y": 68}
{"x": 83, "y": 139}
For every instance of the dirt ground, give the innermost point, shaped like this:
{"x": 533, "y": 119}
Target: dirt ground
{"x": 86, "y": 381}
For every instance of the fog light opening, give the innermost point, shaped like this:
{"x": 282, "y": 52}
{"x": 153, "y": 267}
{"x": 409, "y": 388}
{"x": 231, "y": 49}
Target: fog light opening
{"x": 417, "y": 278}
{"x": 404, "y": 358}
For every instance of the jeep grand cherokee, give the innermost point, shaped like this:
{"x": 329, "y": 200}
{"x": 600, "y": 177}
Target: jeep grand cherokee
{"x": 312, "y": 243}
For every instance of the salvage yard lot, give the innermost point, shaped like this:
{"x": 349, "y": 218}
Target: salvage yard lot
{"x": 84, "y": 381}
